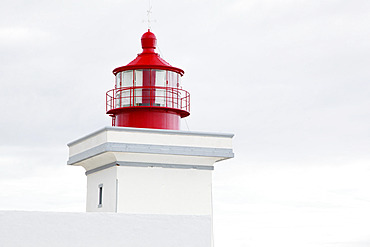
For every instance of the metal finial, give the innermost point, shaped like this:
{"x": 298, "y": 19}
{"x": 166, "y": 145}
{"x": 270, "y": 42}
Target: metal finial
{"x": 148, "y": 13}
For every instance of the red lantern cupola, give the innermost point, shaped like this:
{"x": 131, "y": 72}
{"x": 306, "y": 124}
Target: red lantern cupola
{"x": 148, "y": 92}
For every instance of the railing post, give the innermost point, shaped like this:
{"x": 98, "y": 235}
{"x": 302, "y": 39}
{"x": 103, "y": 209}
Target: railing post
{"x": 177, "y": 99}
{"x": 172, "y": 100}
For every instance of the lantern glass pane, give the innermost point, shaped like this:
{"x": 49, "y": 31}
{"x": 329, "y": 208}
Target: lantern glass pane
{"x": 127, "y": 78}
{"x": 178, "y": 80}
{"x": 138, "y": 78}
{"x": 160, "y": 78}
{"x": 172, "y": 79}
{"x": 138, "y": 83}
{"x": 118, "y": 80}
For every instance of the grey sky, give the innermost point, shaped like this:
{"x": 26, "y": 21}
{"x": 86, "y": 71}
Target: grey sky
{"x": 289, "y": 78}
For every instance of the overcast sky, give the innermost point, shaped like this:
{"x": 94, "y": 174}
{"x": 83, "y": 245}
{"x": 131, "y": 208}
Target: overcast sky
{"x": 290, "y": 78}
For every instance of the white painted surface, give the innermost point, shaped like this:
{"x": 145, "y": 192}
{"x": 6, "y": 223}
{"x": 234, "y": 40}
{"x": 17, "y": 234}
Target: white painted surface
{"x": 93, "y": 141}
{"x": 46, "y": 229}
{"x": 143, "y": 136}
{"x": 146, "y": 137}
{"x": 98, "y": 160}
{"x": 153, "y": 190}
{"x": 110, "y": 157}
{"x": 162, "y": 138}
{"x": 107, "y": 178}
{"x": 166, "y": 158}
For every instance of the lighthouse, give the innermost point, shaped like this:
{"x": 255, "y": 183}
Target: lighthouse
{"x": 144, "y": 163}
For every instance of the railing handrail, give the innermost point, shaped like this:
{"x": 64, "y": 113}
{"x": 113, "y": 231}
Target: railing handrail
{"x": 148, "y": 87}
{"x": 177, "y": 102}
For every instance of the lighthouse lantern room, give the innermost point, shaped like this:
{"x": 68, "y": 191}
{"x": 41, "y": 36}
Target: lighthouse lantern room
{"x": 148, "y": 91}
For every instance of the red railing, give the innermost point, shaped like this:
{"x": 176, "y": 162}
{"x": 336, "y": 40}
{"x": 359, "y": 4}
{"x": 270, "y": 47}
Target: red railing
{"x": 148, "y": 97}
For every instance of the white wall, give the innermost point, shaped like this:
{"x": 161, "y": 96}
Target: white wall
{"x": 154, "y": 190}
{"x": 107, "y": 178}
{"x": 46, "y": 229}
{"x": 151, "y": 190}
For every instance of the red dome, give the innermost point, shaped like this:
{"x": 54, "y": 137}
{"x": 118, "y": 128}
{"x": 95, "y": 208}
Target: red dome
{"x": 148, "y": 59}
